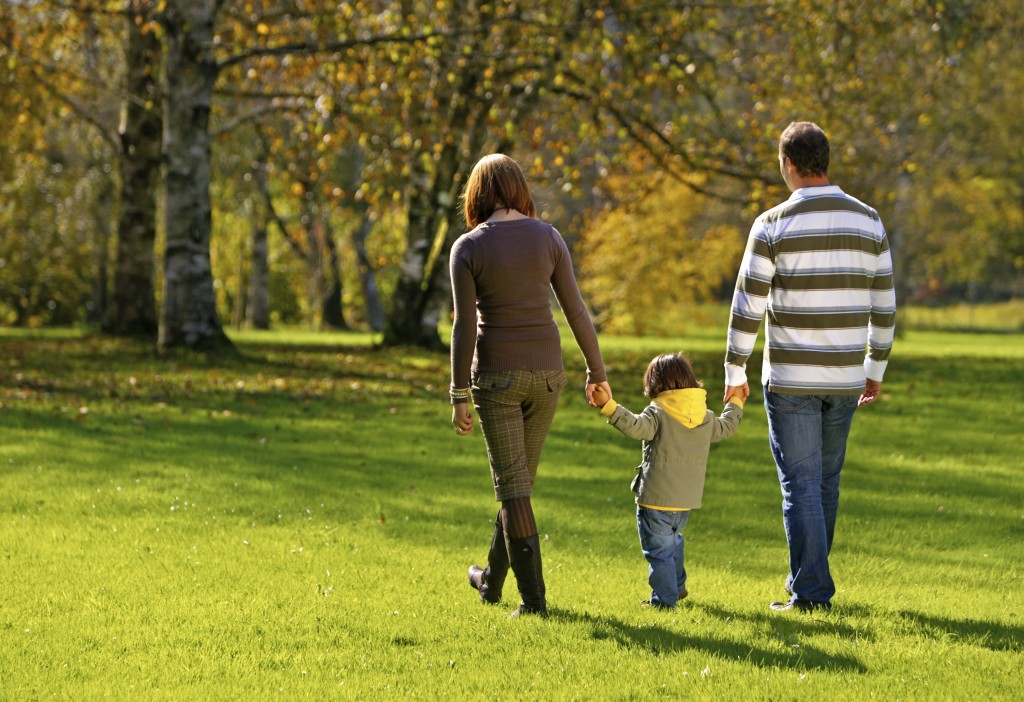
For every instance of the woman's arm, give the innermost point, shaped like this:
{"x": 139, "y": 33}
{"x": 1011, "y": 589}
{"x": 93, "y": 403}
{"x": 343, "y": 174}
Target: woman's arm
{"x": 567, "y": 292}
{"x": 464, "y": 321}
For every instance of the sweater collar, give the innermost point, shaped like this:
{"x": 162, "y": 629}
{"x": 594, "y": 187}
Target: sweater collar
{"x": 816, "y": 191}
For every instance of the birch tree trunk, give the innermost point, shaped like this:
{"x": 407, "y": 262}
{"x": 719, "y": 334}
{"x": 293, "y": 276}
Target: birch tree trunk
{"x": 189, "y": 315}
{"x": 132, "y": 306}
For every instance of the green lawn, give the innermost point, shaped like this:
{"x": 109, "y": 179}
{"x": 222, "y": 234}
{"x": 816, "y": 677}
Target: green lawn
{"x": 297, "y": 523}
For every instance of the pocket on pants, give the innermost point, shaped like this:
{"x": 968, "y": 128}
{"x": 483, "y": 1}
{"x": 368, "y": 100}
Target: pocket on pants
{"x": 493, "y": 380}
{"x": 781, "y": 402}
{"x": 556, "y": 381}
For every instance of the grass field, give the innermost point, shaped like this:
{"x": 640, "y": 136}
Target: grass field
{"x": 296, "y": 523}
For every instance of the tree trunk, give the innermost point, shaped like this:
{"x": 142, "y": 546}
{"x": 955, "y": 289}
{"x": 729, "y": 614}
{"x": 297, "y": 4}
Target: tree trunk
{"x": 367, "y": 277}
{"x": 313, "y": 255}
{"x": 132, "y": 308}
{"x": 259, "y": 281}
{"x": 100, "y": 253}
{"x": 433, "y": 227}
{"x": 419, "y": 295}
{"x": 407, "y": 322}
{"x": 239, "y": 310}
{"x": 189, "y": 315}
{"x": 331, "y": 313}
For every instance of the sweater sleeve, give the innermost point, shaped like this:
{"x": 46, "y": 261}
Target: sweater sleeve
{"x": 749, "y": 302}
{"x": 641, "y": 426}
{"x": 725, "y": 426}
{"x": 464, "y": 322}
{"x": 882, "y": 318}
{"x": 567, "y": 292}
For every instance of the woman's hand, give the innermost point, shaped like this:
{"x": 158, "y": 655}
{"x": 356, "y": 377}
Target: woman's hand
{"x": 605, "y": 388}
{"x": 462, "y": 420}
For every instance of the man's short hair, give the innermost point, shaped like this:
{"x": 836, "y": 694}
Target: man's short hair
{"x": 806, "y": 146}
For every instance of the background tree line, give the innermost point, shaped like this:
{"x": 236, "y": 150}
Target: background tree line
{"x": 171, "y": 166}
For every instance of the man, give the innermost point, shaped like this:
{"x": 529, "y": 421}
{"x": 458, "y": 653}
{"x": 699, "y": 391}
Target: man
{"x": 819, "y": 264}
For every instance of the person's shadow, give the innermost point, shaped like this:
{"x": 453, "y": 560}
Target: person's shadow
{"x": 994, "y": 637}
{"x": 793, "y": 631}
{"x": 659, "y": 641}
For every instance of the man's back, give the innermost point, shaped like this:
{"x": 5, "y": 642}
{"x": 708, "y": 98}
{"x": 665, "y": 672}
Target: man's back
{"x": 820, "y": 265}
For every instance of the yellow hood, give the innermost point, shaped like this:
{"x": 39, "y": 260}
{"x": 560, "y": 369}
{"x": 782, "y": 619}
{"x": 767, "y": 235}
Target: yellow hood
{"x": 689, "y": 407}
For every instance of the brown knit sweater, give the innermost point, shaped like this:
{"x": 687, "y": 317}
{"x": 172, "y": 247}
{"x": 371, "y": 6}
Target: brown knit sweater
{"x": 505, "y": 271}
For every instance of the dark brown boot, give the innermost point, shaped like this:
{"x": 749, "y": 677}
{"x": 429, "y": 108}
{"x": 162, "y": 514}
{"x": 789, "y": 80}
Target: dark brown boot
{"x": 524, "y": 555}
{"x": 490, "y": 580}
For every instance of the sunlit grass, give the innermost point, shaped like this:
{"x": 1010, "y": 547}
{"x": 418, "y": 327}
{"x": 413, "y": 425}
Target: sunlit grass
{"x": 997, "y": 316}
{"x": 296, "y": 522}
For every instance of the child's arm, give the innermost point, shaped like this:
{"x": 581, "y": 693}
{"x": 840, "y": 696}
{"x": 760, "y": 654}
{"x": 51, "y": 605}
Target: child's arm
{"x": 725, "y": 425}
{"x": 636, "y": 426}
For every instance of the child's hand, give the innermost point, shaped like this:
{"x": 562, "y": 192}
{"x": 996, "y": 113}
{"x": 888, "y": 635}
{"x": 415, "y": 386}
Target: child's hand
{"x": 601, "y": 396}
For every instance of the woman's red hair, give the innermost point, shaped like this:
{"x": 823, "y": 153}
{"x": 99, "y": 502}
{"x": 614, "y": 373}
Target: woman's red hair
{"x": 496, "y": 183}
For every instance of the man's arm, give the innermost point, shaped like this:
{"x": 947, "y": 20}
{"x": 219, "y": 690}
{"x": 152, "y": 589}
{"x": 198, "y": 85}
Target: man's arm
{"x": 749, "y": 302}
{"x": 872, "y": 389}
{"x": 881, "y": 323}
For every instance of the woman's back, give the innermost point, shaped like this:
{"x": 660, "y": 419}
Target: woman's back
{"x": 505, "y": 271}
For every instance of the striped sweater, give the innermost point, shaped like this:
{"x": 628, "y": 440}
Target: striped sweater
{"x": 819, "y": 264}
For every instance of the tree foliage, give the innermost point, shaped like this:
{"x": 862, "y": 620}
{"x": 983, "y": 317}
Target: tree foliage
{"x": 650, "y": 260}
{"x": 335, "y": 137}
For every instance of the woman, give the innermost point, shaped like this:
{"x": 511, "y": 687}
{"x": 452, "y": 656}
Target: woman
{"x": 504, "y": 270}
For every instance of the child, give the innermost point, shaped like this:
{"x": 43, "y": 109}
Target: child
{"x": 677, "y": 430}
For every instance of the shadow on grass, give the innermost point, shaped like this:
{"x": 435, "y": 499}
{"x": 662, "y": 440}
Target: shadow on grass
{"x": 801, "y": 623}
{"x": 990, "y": 635}
{"x": 658, "y": 641}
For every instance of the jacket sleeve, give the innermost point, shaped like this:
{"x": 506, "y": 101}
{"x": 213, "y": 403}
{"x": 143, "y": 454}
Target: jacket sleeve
{"x": 725, "y": 426}
{"x": 636, "y": 426}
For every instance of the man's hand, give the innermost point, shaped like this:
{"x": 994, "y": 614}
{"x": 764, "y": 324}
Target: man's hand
{"x": 872, "y": 390}
{"x": 599, "y": 400}
{"x": 740, "y": 391}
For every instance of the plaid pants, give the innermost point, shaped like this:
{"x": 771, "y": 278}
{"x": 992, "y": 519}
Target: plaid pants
{"x": 515, "y": 409}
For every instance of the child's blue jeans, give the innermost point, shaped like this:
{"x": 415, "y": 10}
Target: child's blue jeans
{"x": 662, "y": 542}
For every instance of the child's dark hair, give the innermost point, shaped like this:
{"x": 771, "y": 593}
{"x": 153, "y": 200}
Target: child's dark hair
{"x": 669, "y": 371}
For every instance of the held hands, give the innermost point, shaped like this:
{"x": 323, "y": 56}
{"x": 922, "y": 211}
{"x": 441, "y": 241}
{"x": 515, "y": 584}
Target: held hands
{"x": 462, "y": 420}
{"x": 872, "y": 389}
{"x": 740, "y": 391}
{"x": 598, "y": 394}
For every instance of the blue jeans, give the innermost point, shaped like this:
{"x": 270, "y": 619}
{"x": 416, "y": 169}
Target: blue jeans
{"x": 662, "y": 543}
{"x": 807, "y": 434}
